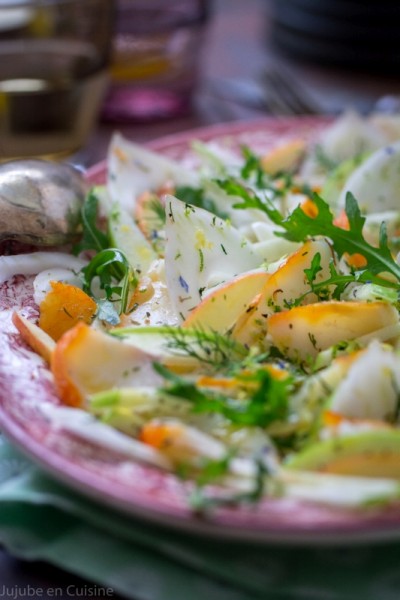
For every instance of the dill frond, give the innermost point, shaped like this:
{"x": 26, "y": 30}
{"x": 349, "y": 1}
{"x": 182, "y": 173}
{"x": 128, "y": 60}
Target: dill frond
{"x": 215, "y": 350}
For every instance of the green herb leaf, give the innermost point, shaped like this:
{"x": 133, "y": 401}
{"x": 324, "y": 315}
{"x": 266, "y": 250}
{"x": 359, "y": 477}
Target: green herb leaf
{"x": 270, "y": 400}
{"x": 92, "y": 237}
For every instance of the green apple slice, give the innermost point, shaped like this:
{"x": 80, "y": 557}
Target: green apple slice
{"x": 373, "y": 453}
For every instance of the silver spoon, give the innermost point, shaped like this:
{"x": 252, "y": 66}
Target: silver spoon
{"x": 40, "y": 202}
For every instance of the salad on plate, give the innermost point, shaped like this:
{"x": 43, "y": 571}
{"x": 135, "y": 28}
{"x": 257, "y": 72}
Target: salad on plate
{"x": 231, "y": 317}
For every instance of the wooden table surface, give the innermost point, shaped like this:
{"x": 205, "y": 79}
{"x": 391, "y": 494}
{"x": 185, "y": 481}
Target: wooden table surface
{"x": 237, "y": 48}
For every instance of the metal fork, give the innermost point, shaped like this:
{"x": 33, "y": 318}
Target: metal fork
{"x": 276, "y": 93}
{"x": 285, "y": 95}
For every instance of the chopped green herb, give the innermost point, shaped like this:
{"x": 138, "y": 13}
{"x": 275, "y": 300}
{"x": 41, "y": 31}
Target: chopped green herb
{"x": 266, "y": 403}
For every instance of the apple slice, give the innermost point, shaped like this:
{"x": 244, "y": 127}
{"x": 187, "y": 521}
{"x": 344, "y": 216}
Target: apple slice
{"x": 35, "y": 337}
{"x": 220, "y": 309}
{"x": 304, "y": 331}
{"x": 285, "y": 157}
{"x": 286, "y": 284}
{"x": 374, "y": 453}
{"x": 87, "y": 361}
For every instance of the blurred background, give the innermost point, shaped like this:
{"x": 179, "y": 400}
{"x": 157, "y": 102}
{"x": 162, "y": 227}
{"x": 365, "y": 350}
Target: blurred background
{"x": 268, "y": 57}
{"x": 349, "y": 34}
{"x": 188, "y": 63}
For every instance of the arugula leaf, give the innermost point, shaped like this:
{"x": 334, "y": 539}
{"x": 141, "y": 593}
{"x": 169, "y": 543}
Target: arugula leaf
{"x": 337, "y": 280}
{"x": 333, "y": 287}
{"x": 299, "y": 226}
{"x": 325, "y": 162}
{"x": 252, "y": 171}
{"x": 197, "y": 197}
{"x": 110, "y": 266}
{"x": 315, "y": 267}
{"x": 257, "y": 188}
{"x": 92, "y": 237}
{"x": 252, "y": 167}
{"x": 258, "y": 201}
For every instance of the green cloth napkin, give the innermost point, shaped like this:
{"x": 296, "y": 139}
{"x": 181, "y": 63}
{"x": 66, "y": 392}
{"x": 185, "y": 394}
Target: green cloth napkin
{"x": 41, "y": 519}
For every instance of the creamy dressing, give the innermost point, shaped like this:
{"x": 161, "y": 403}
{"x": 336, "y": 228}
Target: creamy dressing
{"x": 33, "y": 263}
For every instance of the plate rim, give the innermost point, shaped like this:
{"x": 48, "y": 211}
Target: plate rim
{"x": 210, "y": 529}
{"x": 215, "y": 130}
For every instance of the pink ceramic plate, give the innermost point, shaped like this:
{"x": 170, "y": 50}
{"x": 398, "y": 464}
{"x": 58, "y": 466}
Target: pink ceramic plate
{"x": 140, "y": 490}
